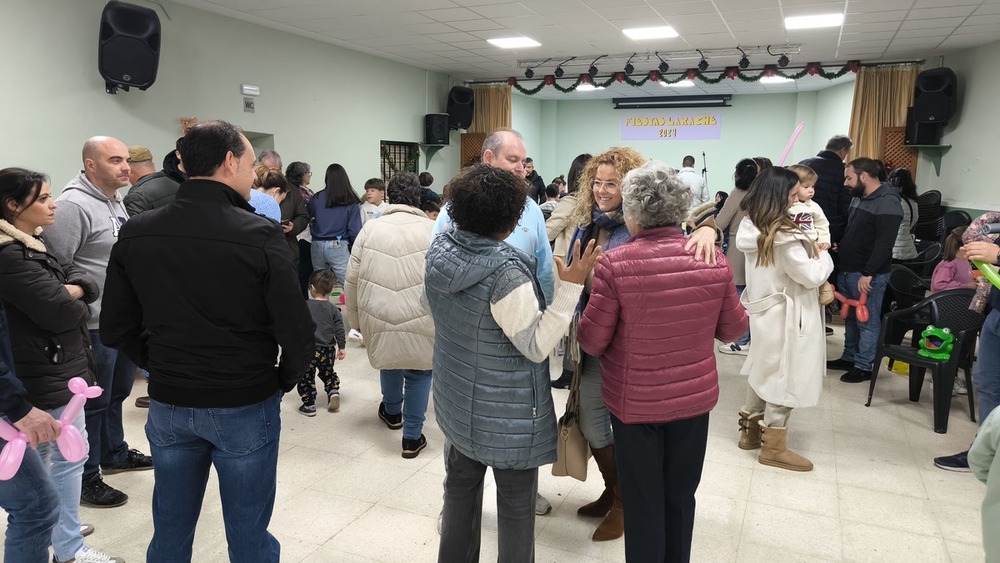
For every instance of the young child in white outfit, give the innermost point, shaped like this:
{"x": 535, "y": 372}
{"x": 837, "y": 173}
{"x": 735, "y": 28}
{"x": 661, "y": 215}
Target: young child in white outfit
{"x": 809, "y": 216}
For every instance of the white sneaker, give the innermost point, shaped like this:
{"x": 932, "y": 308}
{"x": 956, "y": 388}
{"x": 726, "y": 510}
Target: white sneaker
{"x": 735, "y": 349}
{"x": 959, "y": 388}
{"x": 91, "y": 555}
{"x": 356, "y": 336}
{"x": 542, "y": 506}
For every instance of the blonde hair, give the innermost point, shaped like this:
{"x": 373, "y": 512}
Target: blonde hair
{"x": 807, "y": 176}
{"x": 767, "y": 207}
{"x": 622, "y": 159}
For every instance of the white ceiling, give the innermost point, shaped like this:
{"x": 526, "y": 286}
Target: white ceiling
{"x": 450, "y": 36}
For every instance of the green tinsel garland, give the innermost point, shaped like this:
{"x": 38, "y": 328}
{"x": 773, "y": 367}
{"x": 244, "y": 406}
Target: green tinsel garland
{"x": 732, "y": 73}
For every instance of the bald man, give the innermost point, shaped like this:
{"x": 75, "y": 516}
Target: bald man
{"x": 88, "y": 219}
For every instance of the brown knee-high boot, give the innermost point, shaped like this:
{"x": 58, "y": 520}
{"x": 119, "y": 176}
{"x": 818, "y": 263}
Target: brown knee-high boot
{"x": 605, "y": 458}
{"x": 613, "y": 525}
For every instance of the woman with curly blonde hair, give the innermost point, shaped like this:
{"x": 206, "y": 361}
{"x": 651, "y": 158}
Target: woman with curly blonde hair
{"x": 599, "y": 216}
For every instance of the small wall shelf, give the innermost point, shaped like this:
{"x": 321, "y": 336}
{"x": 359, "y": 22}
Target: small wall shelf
{"x": 430, "y": 151}
{"x": 933, "y": 152}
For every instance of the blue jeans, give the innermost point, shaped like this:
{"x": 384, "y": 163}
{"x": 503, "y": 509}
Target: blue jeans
{"x": 32, "y": 507}
{"x": 412, "y": 402}
{"x": 462, "y": 515}
{"x": 242, "y": 444}
{"x": 745, "y": 339}
{"x": 67, "y": 479}
{"x": 116, "y": 374}
{"x": 860, "y": 339}
{"x": 332, "y": 254}
{"x": 595, "y": 420}
{"x": 986, "y": 374}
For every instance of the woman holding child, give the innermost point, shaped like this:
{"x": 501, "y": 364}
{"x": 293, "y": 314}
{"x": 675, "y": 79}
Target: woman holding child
{"x": 784, "y": 270}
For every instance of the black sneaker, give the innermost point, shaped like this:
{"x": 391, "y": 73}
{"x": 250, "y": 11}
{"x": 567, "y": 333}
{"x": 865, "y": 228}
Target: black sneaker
{"x": 829, "y": 331}
{"x": 307, "y": 410}
{"x": 958, "y": 462}
{"x": 412, "y": 447}
{"x": 856, "y": 376}
{"x": 393, "y": 421}
{"x": 134, "y": 461}
{"x": 839, "y": 363}
{"x": 98, "y": 494}
{"x": 564, "y": 380}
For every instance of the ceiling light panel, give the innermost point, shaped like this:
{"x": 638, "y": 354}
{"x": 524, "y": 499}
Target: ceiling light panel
{"x": 514, "y": 42}
{"x": 641, "y": 33}
{"x": 812, "y": 22}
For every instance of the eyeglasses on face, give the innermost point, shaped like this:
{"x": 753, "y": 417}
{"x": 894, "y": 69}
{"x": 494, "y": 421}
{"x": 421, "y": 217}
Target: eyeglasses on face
{"x": 612, "y": 185}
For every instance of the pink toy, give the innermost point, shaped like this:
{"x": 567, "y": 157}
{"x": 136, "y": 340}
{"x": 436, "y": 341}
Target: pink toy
{"x": 791, "y": 142}
{"x": 70, "y": 442}
{"x": 342, "y": 301}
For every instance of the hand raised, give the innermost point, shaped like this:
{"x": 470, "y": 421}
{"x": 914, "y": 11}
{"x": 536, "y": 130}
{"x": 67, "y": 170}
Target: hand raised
{"x": 583, "y": 263}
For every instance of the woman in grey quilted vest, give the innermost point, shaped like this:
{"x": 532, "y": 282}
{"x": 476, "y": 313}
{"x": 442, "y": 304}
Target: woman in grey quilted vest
{"x": 493, "y": 335}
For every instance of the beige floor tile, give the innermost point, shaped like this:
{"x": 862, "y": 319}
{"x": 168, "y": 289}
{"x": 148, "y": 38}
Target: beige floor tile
{"x": 889, "y": 477}
{"x": 864, "y": 542}
{"x": 965, "y": 552}
{"x": 795, "y": 492}
{"x": 794, "y": 531}
{"x": 367, "y": 535}
{"x": 888, "y": 510}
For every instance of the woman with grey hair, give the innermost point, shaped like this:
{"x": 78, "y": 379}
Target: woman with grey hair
{"x": 652, "y": 319}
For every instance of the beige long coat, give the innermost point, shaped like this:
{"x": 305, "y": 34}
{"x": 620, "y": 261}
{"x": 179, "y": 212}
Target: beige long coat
{"x": 384, "y": 293}
{"x": 787, "y": 359}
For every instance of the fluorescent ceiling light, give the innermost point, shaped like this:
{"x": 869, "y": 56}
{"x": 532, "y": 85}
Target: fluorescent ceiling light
{"x": 514, "y": 42}
{"x": 588, "y": 88}
{"x": 663, "y": 32}
{"x": 681, "y": 84}
{"x": 809, "y": 22}
{"x": 774, "y": 80}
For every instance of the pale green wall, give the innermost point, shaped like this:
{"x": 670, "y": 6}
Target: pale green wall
{"x": 969, "y": 169}
{"x": 322, "y": 103}
{"x": 755, "y": 125}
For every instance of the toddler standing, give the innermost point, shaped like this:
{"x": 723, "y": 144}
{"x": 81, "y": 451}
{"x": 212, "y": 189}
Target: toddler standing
{"x": 809, "y": 216}
{"x": 329, "y": 335}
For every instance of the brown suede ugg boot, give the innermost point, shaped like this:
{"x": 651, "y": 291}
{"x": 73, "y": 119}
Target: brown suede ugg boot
{"x": 775, "y": 453}
{"x": 750, "y": 430}
{"x": 605, "y": 458}
{"x": 613, "y": 525}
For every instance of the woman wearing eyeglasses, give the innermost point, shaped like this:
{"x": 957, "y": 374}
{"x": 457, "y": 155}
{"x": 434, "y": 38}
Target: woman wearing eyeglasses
{"x": 599, "y": 216}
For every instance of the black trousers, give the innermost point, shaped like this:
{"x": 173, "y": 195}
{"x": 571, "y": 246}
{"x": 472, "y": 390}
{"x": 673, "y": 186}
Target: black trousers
{"x": 659, "y": 468}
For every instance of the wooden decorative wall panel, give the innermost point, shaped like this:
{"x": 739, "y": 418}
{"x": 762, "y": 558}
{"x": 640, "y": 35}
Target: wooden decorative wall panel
{"x": 472, "y": 146}
{"x": 894, "y": 152}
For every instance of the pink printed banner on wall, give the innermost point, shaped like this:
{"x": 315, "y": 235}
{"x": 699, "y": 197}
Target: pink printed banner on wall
{"x": 672, "y": 127}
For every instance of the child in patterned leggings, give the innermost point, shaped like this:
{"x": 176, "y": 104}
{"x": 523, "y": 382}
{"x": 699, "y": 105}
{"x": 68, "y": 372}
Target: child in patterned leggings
{"x": 329, "y": 340}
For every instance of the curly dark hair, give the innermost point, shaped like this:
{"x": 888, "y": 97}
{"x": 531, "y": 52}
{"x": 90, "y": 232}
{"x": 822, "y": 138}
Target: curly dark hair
{"x": 487, "y": 201}
{"x": 404, "y": 189}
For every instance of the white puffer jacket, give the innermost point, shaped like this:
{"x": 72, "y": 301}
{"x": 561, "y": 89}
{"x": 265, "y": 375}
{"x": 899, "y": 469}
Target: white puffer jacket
{"x": 384, "y": 293}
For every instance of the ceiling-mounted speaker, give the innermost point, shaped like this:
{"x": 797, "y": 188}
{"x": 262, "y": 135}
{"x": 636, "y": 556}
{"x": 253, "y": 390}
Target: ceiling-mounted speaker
{"x": 129, "y": 46}
{"x": 935, "y": 95}
{"x": 436, "y": 129}
{"x": 461, "y": 102}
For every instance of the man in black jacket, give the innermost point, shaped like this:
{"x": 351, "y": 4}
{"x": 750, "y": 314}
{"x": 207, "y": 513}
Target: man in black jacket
{"x": 830, "y": 193}
{"x": 536, "y": 185}
{"x": 202, "y": 293}
{"x": 152, "y": 189}
{"x": 865, "y": 260}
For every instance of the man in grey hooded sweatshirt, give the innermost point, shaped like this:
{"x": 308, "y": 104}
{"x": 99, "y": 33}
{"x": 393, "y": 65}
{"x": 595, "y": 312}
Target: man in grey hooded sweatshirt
{"x": 88, "y": 218}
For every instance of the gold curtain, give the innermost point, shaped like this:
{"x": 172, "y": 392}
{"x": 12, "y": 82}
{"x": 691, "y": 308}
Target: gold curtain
{"x": 493, "y": 108}
{"x": 881, "y": 96}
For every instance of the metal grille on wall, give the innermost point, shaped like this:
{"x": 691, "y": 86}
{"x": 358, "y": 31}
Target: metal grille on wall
{"x": 399, "y": 157}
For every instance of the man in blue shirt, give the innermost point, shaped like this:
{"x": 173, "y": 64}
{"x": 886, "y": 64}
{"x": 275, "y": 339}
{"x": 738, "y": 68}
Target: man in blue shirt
{"x": 504, "y": 149}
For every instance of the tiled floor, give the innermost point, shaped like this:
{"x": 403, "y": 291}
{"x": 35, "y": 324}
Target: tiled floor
{"x": 345, "y": 494}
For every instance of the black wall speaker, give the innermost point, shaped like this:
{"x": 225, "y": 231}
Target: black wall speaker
{"x": 461, "y": 102}
{"x": 436, "y": 129}
{"x": 934, "y": 96}
{"x": 918, "y": 133}
{"x": 129, "y": 48}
